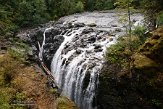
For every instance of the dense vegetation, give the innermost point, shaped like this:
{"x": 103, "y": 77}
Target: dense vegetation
{"x": 15, "y": 14}
{"x": 18, "y": 14}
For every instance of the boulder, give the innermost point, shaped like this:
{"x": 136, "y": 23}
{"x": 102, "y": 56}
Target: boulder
{"x": 92, "y": 25}
{"x": 87, "y": 30}
{"x": 118, "y": 30}
{"x": 153, "y": 47}
{"x": 97, "y": 46}
{"x": 79, "y": 24}
{"x": 143, "y": 62}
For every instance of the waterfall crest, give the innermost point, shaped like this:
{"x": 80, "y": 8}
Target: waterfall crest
{"x": 78, "y": 58}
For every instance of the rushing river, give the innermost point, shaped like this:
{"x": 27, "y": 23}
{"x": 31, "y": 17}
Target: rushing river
{"x": 77, "y": 61}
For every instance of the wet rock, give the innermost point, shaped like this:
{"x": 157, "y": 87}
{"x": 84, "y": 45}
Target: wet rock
{"x": 58, "y": 38}
{"x": 134, "y": 20}
{"x": 86, "y": 31}
{"x": 68, "y": 25}
{"x": 92, "y": 25}
{"x": 3, "y": 48}
{"x": 36, "y": 36}
{"x": 51, "y": 33}
{"x": 92, "y": 39}
{"x": 79, "y": 25}
{"x": 118, "y": 30}
{"x": 86, "y": 80}
{"x": 98, "y": 50}
{"x": 30, "y": 53}
{"x": 54, "y": 31}
{"x": 110, "y": 39}
{"x": 97, "y": 46}
{"x": 114, "y": 25}
{"x": 78, "y": 51}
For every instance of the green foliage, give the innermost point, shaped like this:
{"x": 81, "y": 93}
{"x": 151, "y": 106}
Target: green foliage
{"x": 19, "y": 96}
{"x": 140, "y": 31}
{"x": 36, "y": 13}
{"x": 64, "y": 103}
{"x": 67, "y": 7}
{"x": 115, "y": 52}
{"x": 156, "y": 103}
{"x": 104, "y": 5}
{"x": 17, "y": 53}
{"x": 123, "y": 49}
{"x": 9, "y": 69}
{"x": 5, "y": 96}
{"x": 151, "y": 10}
{"x": 99, "y": 4}
{"x": 79, "y": 7}
{"x": 89, "y": 4}
{"x": 28, "y": 13}
{"x": 123, "y": 3}
{"x": 127, "y": 5}
{"x": 160, "y": 19}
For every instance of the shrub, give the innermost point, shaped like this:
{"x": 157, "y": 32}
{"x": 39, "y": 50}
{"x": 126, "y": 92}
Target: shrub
{"x": 5, "y": 96}
{"x": 140, "y": 31}
{"x": 115, "y": 52}
{"x": 104, "y": 5}
{"x": 79, "y": 6}
{"x": 123, "y": 49}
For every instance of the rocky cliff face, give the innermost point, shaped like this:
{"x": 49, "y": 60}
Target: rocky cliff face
{"x": 142, "y": 88}
{"x": 73, "y": 48}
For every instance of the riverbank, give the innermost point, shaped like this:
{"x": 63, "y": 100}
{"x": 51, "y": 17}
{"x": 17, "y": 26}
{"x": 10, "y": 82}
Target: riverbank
{"x": 23, "y": 84}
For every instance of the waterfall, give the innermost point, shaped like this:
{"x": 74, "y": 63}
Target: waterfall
{"x": 70, "y": 68}
{"x": 43, "y": 43}
{"x": 78, "y": 60}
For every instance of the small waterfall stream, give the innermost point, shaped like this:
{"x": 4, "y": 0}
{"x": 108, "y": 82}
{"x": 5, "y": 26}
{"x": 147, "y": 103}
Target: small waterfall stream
{"x": 77, "y": 62}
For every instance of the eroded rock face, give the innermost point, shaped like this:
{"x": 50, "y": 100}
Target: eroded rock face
{"x": 153, "y": 47}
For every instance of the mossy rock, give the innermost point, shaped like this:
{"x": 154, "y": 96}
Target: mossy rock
{"x": 65, "y": 103}
{"x": 153, "y": 47}
{"x": 143, "y": 62}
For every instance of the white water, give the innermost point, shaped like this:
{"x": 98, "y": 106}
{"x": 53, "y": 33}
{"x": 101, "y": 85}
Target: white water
{"x": 70, "y": 68}
{"x": 43, "y": 43}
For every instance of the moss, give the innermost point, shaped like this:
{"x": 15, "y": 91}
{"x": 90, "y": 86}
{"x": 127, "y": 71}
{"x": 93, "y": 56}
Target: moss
{"x": 153, "y": 47}
{"x": 65, "y": 103}
{"x": 142, "y": 62}
{"x": 5, "y": 97}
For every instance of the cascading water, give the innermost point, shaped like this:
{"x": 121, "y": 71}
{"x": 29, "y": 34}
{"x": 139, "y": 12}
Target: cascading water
{"x": 78, "y": 60}
{"x": 70, "y": 68}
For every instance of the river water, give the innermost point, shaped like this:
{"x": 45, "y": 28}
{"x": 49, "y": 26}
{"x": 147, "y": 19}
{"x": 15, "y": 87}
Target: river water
{"x": 77, "y": 62}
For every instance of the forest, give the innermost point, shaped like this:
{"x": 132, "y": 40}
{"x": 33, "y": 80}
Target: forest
{"x": 15, "y": 14}
{"x": 87, "y": 54}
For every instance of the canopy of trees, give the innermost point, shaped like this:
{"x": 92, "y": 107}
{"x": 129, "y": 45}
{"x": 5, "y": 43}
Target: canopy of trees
{"x": 27, "y": 13}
